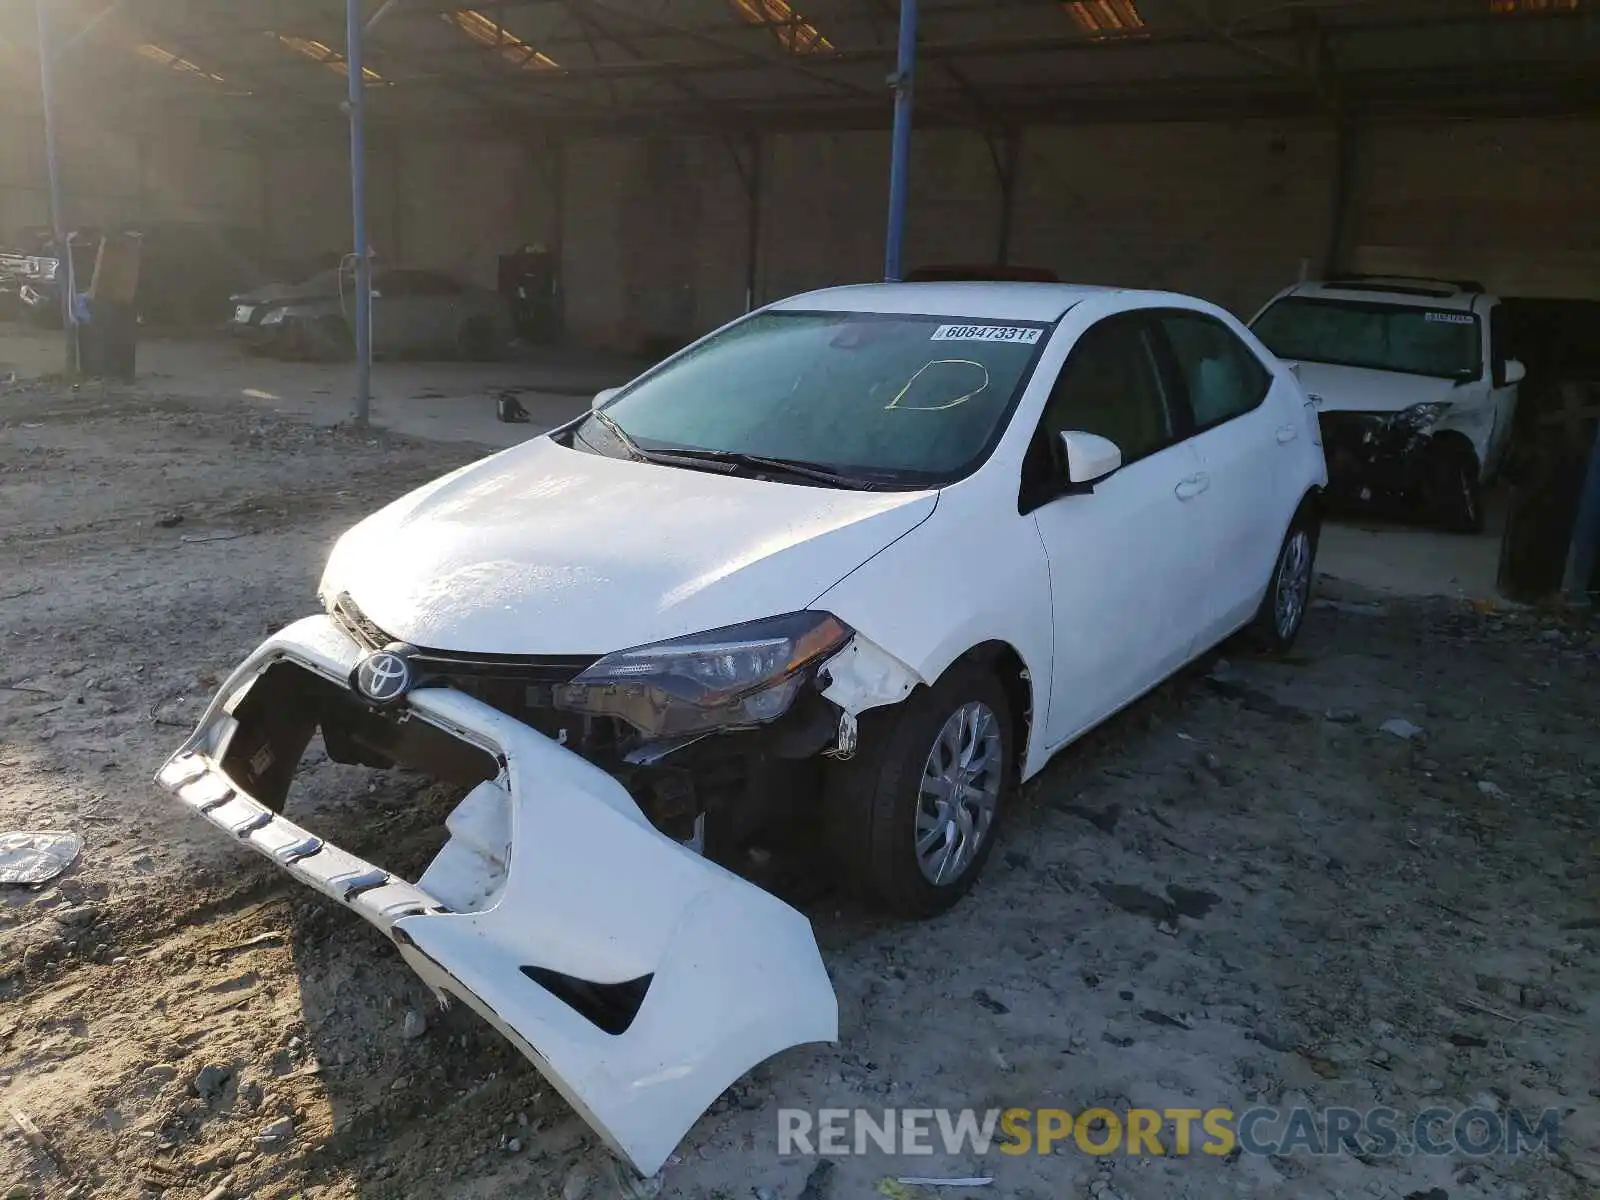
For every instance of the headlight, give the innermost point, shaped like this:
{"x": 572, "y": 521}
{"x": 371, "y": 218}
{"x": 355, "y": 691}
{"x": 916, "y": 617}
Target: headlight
{"x": 274, "y": 317}
{"x": 1420, "y": 416}
{"x": 741, "y": 675}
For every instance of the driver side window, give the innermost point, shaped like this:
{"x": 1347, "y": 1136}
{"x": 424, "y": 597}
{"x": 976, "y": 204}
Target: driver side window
{"x": 1111, "y": 386}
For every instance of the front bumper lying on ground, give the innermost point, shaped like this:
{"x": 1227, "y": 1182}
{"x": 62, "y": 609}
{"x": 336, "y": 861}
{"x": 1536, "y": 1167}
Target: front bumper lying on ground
{"x": 578, "y": 890}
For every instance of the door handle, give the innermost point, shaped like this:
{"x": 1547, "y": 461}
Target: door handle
{"x": 1191, "y": 487}
{"x": 1286, "y": 434}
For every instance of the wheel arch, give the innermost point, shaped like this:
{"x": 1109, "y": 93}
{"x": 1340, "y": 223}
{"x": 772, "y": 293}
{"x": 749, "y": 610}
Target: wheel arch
{"x": 1007, "y": 664}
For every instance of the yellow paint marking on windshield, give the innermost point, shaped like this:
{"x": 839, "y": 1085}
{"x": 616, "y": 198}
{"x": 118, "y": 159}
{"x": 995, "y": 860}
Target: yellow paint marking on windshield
{"x": 962, "y": 399}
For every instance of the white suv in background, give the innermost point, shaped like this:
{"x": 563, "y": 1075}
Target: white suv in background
{"x": 1413, "y": 387}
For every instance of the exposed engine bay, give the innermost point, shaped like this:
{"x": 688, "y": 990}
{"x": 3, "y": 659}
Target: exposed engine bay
{"x": 710, "y": 789}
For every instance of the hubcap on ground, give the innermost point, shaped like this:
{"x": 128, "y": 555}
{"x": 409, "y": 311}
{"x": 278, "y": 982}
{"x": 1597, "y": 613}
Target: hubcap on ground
{"x": 959, "y": 793}
{"x": 1294, "y": 583}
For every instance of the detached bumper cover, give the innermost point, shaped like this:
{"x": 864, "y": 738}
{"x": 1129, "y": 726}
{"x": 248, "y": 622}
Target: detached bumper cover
{"x": 590, "y": 891}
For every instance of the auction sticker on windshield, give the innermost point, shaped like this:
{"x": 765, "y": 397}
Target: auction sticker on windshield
{"x": 1021, "y": 334}
{"x": 1449, "y": 318}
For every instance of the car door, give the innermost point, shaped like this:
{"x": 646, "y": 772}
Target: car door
{"x": 437, "y": 314}
{"x": 1123, "y": 558}
{"x": 397, "y": 312}
{"x": 1246, "y": 442}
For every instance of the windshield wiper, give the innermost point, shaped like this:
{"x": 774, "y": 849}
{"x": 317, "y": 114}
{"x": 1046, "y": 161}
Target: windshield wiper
{"x": 616, "y": 431}
{"x": 732, "y": 460}
{"x": 793, "y": 468}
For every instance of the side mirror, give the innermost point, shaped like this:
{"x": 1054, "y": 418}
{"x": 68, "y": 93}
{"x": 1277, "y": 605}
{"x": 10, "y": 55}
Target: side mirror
{"x": 1515, "y": 371}
{"x": 601, "y": 397}
{"x": 1090, "y": 457}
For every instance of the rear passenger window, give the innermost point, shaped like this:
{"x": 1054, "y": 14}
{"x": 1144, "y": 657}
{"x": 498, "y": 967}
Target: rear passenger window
{"x": 1223, "y": 377}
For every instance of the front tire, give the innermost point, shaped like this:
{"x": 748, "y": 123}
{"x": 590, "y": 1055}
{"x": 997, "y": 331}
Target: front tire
{"x": 331, "y": 339}
{"x": 913, "y": 815}
{"x": 1453, "y": 496}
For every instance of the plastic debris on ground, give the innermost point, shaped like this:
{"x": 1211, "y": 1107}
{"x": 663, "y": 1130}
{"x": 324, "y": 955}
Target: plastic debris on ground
{"x": 37, "y": 857}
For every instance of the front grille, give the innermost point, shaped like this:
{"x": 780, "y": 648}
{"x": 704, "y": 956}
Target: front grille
{"x": 510, "y": 682}
{"x": 1349, "y": 430}
{"x": 355, "y": 623}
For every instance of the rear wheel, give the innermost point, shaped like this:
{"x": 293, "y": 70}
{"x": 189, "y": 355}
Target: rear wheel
{"x": 913, "y": 815}
{"x": 1283, "y": 608}
{"x": 1453, "y": 497}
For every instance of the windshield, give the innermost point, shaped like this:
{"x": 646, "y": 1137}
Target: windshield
{"x": 1383, "y": 337}
{"x": 906, "y": 401}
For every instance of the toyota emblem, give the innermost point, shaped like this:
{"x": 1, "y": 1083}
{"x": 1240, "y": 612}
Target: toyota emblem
{"x": 383, "y": 677}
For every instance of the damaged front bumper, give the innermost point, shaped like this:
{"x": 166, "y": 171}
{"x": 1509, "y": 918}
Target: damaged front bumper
{"x": 641, "y": 979}
{"x": 1373, "y": 456}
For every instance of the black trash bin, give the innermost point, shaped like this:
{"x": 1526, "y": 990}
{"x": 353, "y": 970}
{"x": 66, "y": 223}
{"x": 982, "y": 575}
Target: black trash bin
{"x": 108, "y": 343}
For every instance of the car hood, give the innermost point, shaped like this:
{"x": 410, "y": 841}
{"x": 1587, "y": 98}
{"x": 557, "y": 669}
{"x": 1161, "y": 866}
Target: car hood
{"x": 1357, "y": 389}
{"x": 315, "y": 288}
{"x": 543, "y": 549}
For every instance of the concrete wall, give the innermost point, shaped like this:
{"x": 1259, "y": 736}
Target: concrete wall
{"x": 656, "y": 231}
{"x": 653, "y": 232}
{"x": 1515, "y": 204}
{"x": 108, "y": 178}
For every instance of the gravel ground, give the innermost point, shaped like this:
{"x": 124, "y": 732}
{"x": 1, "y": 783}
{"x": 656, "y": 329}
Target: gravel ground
{"x": 1242, "y": 891}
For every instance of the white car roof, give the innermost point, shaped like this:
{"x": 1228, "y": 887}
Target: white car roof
{"x": 982, "y": 300}
{"x": 1398, "y": 292}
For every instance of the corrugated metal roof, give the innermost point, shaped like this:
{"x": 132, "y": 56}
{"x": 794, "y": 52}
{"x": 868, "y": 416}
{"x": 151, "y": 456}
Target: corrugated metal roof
{"x": 582, "y": 65}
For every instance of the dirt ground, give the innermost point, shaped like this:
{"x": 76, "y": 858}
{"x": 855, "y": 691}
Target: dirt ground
{"x": 1243, "y": 891}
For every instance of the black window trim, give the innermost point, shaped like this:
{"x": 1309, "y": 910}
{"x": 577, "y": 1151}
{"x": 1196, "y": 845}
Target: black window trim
{"x": 1032, "y": 494}
{"x": 1181, "y": 380}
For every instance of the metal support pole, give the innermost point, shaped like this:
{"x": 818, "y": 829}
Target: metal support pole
{"x": 1586, "y": 532}
{"x": 1344, "y": 165}
{"x": 556, "y": 153}
{"x": 752, "y": 247}
{"x": 65, "y": 283}
{"x": 900, "y": 154}
{"x": 1006, "y": 175}
{"x": 358, "y": 212}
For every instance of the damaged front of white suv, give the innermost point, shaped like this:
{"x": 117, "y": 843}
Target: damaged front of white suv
{"x": 630, "y": 649}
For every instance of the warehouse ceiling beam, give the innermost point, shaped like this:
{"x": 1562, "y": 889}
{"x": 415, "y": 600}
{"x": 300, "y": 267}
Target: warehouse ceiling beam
{"x": 384, "y": 10}
{"x": 598, "y": 28}
{"x": 720, "y": 41}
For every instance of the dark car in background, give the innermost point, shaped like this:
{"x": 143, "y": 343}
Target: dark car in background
{"x": 29, "y": 265}
{"x": 415, "y": 313}
{"x": 187, "y": 270}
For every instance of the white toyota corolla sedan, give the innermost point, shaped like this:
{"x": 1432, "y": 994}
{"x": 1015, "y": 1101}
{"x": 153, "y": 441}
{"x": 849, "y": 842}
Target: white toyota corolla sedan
{"x": 863, "y": 559}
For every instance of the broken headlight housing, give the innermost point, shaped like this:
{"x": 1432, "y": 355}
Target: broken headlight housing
{"x": 724, "y": 678}
{"x": 1423, "y": 416}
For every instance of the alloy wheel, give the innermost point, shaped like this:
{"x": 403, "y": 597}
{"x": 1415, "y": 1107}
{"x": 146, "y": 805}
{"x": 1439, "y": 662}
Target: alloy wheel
{"x": 1294, "y": 583}
{"x": 959, "y": 793}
